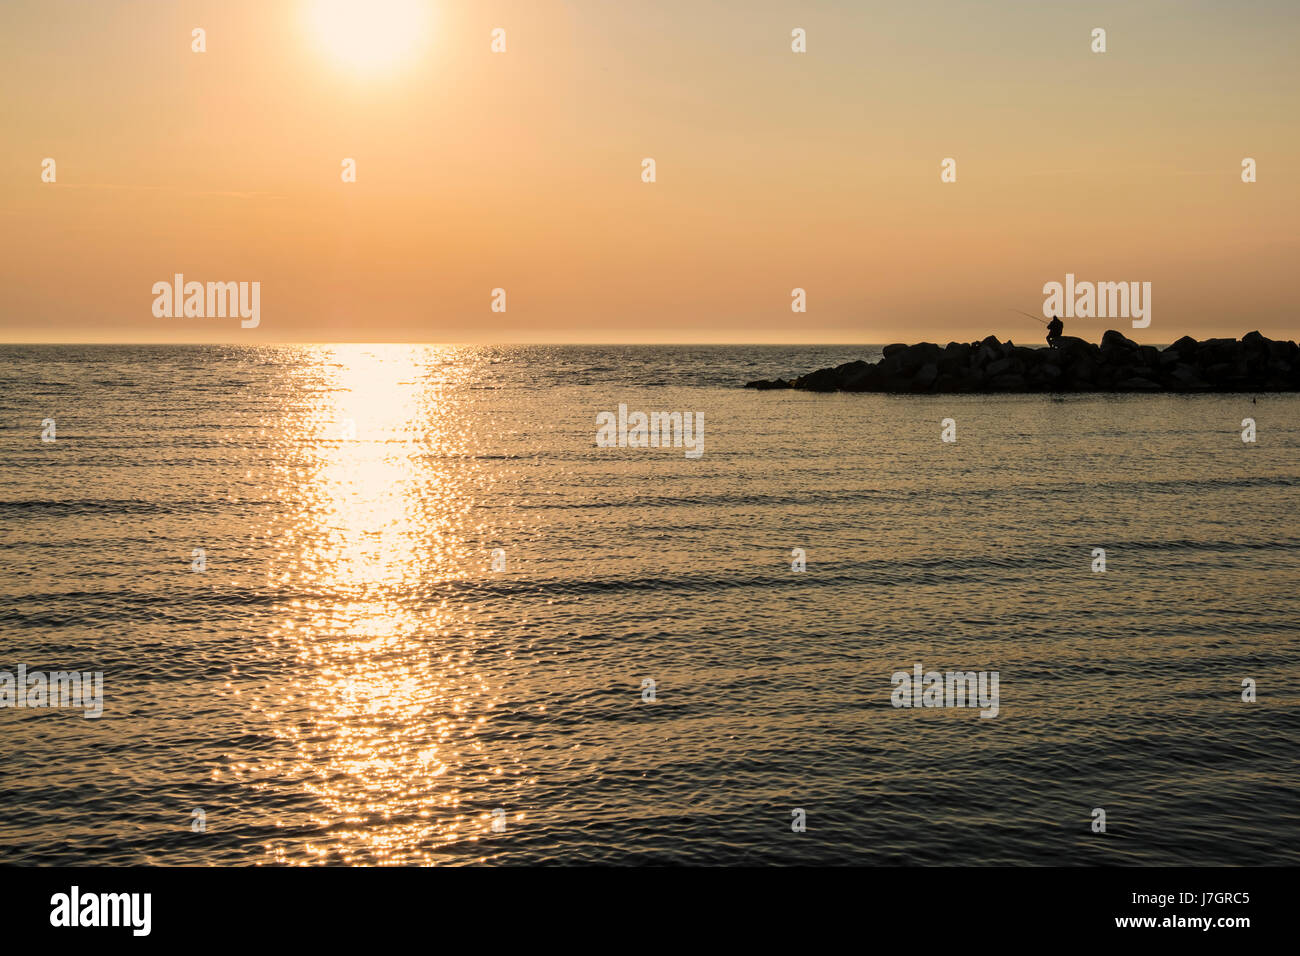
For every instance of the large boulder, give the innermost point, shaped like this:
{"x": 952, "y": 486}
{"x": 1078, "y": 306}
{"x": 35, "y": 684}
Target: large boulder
{"x": 954, "y": 358}
{"x": 860, "y": 378}
{"x": 1120, "y": 352}
{"x": 822, "y": 380}
{"x": 1113, "y": 339}
{"x": 1118, "y": 357}
{"x": 1255, "y": 342}
{"x": 986, "y": 354}
{"x": 1072, "y": 348}
{"x": 915, "y": 356}
{"x": 925, "y": 377}
{"x": 1185, "y": 349}
{"x": 1007, "y": 383}
{"x": 955, "y": 355}
{"x": 1282, "y": 350}
{"x": 1001, "y": 367}
{"x": 1138, "y": 384}
{"x": 1219, "y": 373}
{"x": 1045, "y": 375}
{"x": 1218, "y": 352}
{"x": 1186, "y": 378}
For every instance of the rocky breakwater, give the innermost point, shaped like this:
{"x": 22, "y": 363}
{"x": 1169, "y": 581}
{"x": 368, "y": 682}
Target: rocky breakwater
{"x": 1251, "y": 364}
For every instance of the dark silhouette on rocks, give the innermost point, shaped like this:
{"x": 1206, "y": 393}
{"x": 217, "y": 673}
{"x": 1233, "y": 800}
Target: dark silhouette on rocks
{"x": 1055, "y": 329}
{"x": 1253, "y": 364}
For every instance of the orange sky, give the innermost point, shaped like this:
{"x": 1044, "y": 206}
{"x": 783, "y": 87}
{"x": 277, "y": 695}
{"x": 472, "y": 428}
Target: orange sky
{"x": 522, "y": 170}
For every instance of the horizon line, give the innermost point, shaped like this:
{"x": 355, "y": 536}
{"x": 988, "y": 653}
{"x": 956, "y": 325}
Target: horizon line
{"x": 487, "y": 344}
{"x": 468, "y": 344}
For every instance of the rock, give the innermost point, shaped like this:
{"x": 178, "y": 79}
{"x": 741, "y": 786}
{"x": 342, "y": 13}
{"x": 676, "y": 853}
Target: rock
{"x": 1000, "y": 367}
{"x": 1082, "y": 372}
{"x": 1187, "y": 379}
{"x": 955, "y": 356}
{"x": 926, "y": 377}
{"x": 1072, "y": 348}
{"x": 1169, "y": 358}
{"x": 1254, "y": 363}
{"x": 915, "y": 356}
{"x": 864, "y": 380}
{"x": 824, "y": 380}
{"x": 985, "y": 354}
{"x": 852, "y": 369}
{"x": 1118, "y": 357}
{"x": 1045, "y": 376}
{"x": 1114, "y": 339}
{"x": 1139, "y": 384}
{"x": 1219, "y": 372}
{"x": 1218, "y": 352}
{"x": 1007, "y": 383}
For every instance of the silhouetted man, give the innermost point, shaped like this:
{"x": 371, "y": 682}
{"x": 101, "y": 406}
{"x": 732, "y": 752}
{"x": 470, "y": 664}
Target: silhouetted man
{"x": 1054, "y": 330}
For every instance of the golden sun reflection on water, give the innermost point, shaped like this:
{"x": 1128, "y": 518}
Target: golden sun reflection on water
{"x": 385, "y": 705}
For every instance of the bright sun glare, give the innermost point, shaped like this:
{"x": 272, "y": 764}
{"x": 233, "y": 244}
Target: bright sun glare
{"x": 368, "y": 34}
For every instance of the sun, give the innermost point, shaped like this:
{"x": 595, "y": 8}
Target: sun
{"x": 368, "y": 34}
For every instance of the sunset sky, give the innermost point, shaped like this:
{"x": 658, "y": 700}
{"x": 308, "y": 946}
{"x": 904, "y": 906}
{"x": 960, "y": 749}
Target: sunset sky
{"x": 522, "y": 170}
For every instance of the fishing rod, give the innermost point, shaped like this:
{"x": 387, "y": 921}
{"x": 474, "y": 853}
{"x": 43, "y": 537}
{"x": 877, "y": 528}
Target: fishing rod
{"x": 1034, "y": 317}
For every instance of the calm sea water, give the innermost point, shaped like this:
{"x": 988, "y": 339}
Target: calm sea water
{"x": 349, "y": 680}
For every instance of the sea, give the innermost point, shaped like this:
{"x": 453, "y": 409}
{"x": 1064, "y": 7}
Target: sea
{"x": 395, "y": 605}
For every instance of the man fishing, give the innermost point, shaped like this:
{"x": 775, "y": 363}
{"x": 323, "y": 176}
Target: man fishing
{"x": 1054, "y": 330}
